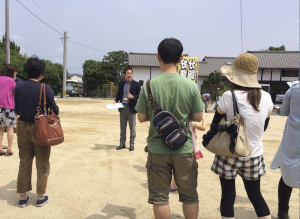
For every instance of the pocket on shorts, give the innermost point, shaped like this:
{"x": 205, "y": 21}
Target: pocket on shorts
{"x": 149, "y": 173}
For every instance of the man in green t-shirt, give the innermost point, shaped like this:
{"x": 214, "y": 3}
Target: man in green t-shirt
{"x": 180, "y": 96}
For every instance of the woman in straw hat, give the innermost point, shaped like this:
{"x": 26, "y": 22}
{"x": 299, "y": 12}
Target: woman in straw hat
{"x": 256, "y": 106}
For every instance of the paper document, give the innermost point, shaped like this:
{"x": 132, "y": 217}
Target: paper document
{"x": 115, "y": 106}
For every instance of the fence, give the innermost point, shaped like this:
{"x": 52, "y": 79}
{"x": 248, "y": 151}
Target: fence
{"x": 108, "y": 92}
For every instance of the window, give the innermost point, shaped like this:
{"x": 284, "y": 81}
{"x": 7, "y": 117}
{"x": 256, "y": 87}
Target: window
{"x": 141, "y": 82}
{"x": 290, "y": 73}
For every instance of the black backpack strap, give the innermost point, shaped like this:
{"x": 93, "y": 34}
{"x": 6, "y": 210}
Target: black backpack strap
{"x": 235, "y": 107}
{"x": 156, "y": 109}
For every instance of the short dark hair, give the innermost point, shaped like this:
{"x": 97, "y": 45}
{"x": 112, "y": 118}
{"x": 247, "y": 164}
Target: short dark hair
{"x": 126, "y": 69}
{"x": 170, "y": 50}
{"x": 34, "y": 67}
{"x": 8, "y": 70}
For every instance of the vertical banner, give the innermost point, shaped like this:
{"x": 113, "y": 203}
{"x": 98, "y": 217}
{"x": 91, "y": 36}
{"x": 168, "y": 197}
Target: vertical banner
{"x": 188, "y": 67}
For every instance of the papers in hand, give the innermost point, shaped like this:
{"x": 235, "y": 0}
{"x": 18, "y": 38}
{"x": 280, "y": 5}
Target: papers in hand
{"x": 115, "y": 106}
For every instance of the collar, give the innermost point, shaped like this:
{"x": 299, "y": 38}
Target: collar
{"x": 128, "y": 82}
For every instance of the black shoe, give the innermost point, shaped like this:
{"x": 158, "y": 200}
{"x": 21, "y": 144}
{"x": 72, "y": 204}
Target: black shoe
{"x": 120, "y": 147}
{"x": 282, "y": 215}
{"x": 131, "y": 148}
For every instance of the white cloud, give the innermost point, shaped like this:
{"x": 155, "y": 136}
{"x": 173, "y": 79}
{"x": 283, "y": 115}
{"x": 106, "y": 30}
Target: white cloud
{"x": 18, "y": 39}
{"x": 58, "y": 60}
{"x": 22, "y": 50}
{"x": 58, "y": 51}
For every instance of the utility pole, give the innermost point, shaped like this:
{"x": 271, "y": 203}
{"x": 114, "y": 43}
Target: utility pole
{"x": 7, "y": 41}
{"x": 65, "y": 65}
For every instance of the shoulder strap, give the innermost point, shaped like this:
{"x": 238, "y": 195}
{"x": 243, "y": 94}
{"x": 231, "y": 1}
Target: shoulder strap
{"x": 45, "y": 97}
{"x": 235, "y": 107}
{"x": 41, "y": 92}
{"x": 156, "y": 109}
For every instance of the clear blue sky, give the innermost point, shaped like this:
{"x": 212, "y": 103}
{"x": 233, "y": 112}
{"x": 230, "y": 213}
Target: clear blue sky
{"x": 205, "y": 27}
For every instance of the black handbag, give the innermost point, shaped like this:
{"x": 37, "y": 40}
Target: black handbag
{"x": 167, "y": 125}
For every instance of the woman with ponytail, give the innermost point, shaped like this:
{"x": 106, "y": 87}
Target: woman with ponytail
{"x": 256, "y": 106}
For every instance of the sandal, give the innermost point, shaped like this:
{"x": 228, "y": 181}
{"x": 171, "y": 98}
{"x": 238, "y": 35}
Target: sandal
{"x": 4, "y": 147}
{"x": 9, "y": 152}
{"x": 2, "y": 152}
{"x": 173, "y": 189}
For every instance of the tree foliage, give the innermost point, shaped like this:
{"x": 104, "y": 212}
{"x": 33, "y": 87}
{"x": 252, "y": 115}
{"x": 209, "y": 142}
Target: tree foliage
{"x": 53, "y": 74}
{"x": 271, "y": 48}
{"x": 214, "y": 77}
{"x": 110, "y": 69}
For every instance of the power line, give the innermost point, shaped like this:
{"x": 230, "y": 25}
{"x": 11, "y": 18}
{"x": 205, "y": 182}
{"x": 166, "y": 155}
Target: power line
{"x": 241, "y": 25}
{"x": 47, "y": 15}
{"x": 87, "y": 46}
{"x": 39, "y": 18}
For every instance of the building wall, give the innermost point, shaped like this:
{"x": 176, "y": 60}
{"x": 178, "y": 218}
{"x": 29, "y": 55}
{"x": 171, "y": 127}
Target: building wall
{"x": 143, "y": 73}
{"x": 200, "y": 81}
{"x": 76, "y": 78}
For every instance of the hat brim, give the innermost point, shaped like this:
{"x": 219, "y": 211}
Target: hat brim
{"x": 240, "y": 78}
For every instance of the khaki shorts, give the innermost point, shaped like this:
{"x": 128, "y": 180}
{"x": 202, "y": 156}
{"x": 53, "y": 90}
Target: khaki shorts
{"x": 159, "y": 173}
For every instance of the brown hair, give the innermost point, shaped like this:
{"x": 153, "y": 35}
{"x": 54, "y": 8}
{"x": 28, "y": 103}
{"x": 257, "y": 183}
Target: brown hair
{"x": 253, "y": 95}
{"x": 8, "y": 70}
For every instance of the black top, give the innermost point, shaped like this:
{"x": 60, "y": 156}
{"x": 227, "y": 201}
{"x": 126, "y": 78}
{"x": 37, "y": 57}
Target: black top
{"x": 135, "y": 89}
{"x": 27, "y": 96}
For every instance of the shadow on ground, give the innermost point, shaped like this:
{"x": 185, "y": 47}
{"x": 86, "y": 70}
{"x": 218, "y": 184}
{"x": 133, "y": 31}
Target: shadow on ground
{"x": 104, "y": 147}
{"x": 140, "y": 168}
{"x": 110, "y": 211}
{"x": 8, "y": 193}
{"x": 240, "y": 212}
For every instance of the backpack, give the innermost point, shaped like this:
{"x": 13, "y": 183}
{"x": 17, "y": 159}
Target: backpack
{"x": 167, "y": 125}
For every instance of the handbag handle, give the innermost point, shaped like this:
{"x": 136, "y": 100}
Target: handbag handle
{"x": 156, "y": 109}
{"x": 43, "y": 90}
{"x": 235, "y": 107}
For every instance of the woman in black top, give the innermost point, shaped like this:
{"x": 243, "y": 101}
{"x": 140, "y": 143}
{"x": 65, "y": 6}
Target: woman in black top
{"x": 27, "y": 96}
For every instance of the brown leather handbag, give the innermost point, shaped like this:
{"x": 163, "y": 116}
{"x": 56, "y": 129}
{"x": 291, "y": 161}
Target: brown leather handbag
{"x": 48, "y": 131}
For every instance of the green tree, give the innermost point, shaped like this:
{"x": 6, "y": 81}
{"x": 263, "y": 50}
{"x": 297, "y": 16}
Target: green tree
{"x": 281, "y": 48}
{"x": 214, "y": 77}
{"x": 53, "y": 72}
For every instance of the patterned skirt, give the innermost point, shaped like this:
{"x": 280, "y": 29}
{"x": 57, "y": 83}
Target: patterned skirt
{"x": 249, "y": 168}
{"x": 7, "y": 118}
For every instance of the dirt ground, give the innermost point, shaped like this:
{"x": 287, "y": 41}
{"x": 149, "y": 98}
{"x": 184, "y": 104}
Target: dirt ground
{"x": 90, "y": 179}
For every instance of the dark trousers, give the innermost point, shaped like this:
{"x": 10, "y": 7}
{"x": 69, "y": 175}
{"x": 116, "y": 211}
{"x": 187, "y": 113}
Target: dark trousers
{"x": 284, "y": 195}
{"x": 126, "y": 115}
{"x": 28, "y": 149}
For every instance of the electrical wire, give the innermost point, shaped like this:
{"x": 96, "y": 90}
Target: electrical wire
{"x": 241, "y": 25}
{"x": 39, "y": 18}
{"x": 87, "y": 46}
{"x": 47, "y": 15}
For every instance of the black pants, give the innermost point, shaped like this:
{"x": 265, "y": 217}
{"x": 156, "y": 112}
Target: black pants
{"x": 284, "y": 194}
{"x": 253, "y": 192}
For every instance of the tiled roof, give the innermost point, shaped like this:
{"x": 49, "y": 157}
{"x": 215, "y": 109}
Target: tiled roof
{"x": 210, "y": 64}
{"x": 143, "y": 59}
{"x": 277, "y": 59}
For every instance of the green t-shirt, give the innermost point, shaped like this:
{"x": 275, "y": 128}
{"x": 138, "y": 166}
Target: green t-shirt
{"x": 176, "y": 94}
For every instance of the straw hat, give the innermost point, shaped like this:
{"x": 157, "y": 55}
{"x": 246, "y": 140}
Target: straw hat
{"x": 243, "y": 71}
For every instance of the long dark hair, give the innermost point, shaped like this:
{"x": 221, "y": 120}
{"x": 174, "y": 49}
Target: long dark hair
{"x": 253, "y": 95}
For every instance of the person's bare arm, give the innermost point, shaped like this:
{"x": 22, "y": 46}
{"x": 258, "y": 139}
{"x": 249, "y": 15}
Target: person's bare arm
{"x": 201, "y": 127}
{"x": 196, "y": 117}
{"x": 143, "y": 117}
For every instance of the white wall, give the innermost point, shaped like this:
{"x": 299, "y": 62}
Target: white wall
{"x": 76, "y": 78}
{"x": 259, "y": 74}
{"x": 266, "y": 75}
{"x": 141, "y": 73}
{"x": 200, "y": 81}
{"x": 276, "y": 74}
{"x": 155, "y": 71}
